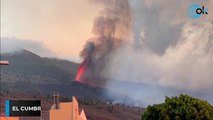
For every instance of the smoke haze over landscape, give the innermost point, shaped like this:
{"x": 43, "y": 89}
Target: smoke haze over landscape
{"x": 143, "y": 50}
{"x": 164, "y": 57}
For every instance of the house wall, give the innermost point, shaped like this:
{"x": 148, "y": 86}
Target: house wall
{"x": 63, "y": 113}
{"x": 9, "y": 118}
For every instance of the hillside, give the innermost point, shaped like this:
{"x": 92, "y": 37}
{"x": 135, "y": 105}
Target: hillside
{"x": 28, "y": 72}
{"x": 28, "y": 63}
{"x": 30, "y": 76}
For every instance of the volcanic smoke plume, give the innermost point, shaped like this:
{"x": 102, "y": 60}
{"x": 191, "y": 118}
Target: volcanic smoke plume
{"x": 112, "y": 28}
{"x": 176, "y": 56}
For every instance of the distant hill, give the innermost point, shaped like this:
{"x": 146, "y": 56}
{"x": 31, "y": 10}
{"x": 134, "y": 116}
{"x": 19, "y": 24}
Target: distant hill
{"x": 30, "y": 76}
{"x": 64, "y": 65}
{"x": 29, "y": 64}
{"x": 30, "y": 73}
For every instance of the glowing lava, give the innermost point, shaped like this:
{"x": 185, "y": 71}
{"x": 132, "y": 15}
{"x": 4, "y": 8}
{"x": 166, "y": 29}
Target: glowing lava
{"x": 81, "y": 70}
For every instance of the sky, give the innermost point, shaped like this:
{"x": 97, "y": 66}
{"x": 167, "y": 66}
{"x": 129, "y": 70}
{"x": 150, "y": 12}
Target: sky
{"x": 63, "y": 26}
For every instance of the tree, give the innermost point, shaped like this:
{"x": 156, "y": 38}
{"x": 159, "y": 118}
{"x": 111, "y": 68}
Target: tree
{"x": 183, "y": 107}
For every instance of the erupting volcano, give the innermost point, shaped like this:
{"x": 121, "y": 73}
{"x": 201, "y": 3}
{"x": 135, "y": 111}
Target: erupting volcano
{"x": 112, "y": 28}
{"x": 81, "y": 71}
{"x": 87, "y": 54}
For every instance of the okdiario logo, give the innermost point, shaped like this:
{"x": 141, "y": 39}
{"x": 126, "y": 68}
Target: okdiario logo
{"x": 195, "y": 11}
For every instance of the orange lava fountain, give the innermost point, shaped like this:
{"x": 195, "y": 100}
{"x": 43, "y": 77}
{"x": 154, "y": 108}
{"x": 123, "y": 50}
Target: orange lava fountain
{"x": 81, "y": 70}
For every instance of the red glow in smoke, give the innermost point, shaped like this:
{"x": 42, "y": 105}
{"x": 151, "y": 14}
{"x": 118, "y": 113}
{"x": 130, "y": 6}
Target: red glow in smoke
{"x": 81, "y": 70}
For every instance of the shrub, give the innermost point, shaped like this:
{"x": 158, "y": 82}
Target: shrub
{"x": 183, "y": 107}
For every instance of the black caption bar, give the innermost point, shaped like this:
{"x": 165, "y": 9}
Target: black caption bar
{"x": 23, "y": 108}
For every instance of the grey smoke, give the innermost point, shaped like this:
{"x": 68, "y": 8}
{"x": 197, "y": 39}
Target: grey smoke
{"x": 176, "y": 55}
{"x": 112, "y": 28}
{"x": 184, "y": 68}
{"x": 155, "y": 20}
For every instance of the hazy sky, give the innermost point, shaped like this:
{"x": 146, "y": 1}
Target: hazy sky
{"x": 60, "y": 25}
{"x": 64, "y": 26}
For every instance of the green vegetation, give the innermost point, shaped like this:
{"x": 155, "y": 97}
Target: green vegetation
{"x": 183, "y": 107}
